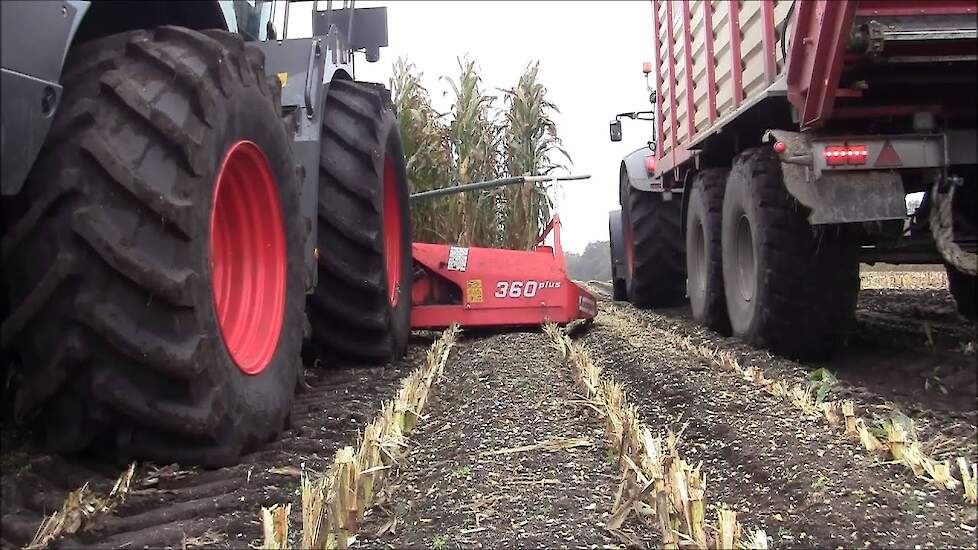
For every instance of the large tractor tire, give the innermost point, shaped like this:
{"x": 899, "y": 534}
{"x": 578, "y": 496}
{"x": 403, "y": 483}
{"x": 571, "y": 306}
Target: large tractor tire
{"x": 704, "y": 262}
{"x": 962, "y": 287}
{"x": 154, "y": 254}
{"x": 789, "y": 287}
{"x": 361, "y": 309}
{"x": 616, "y": 238}
{"x": 656, "y": 270}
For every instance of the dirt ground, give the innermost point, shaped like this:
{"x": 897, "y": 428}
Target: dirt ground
{"x": 806, "y": 485}
{"x": 465, "y": 484}
{"x": 476, "y": 477}
{"x": 171, "y": 507}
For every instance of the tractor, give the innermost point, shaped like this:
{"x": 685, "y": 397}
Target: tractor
{"x": 192, "y": 201}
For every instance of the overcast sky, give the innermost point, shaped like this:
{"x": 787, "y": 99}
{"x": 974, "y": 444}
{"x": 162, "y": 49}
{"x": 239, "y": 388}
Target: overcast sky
{"x": 590, "y": 55}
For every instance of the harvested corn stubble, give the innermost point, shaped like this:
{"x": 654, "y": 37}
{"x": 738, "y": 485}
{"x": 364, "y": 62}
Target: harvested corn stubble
{"x": 80, "y": 509}
{"x": 655, "y": 480}
{"x": 334, "y": 504}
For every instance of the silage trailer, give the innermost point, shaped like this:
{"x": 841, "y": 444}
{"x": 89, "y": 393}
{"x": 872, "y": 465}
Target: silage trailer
{"x": 787, "y": 136}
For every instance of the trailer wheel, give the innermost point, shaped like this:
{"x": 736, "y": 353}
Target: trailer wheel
{"x": 618, "y": 260}
{"x": 789, "y": 287}
{"x": 704, "y": 263}
{"x": 153, "y": 255}
{"x": 656, "y": 267}
{"x": 962, "y": 287}
{"x": 361, "y": 308}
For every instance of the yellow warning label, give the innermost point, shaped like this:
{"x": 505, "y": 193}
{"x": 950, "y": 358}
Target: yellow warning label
{"x": 473, "y": 291}
{"x": 283, "y": 78}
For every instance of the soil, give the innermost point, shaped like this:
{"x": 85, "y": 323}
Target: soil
{"x": 805, "y": 484}
{"x": 504, "y": 392}
{"x": 173, "y": 507}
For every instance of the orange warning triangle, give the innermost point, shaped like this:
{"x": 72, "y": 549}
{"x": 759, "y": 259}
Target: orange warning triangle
{"x": 888, "y": 157}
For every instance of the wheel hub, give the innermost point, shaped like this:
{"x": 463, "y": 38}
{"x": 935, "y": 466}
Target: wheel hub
{"x": 247, "y": 254}
{"x": 746, "y": 268}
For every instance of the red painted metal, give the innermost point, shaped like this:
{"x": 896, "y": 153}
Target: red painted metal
{"x": 816, "y": 58}
{"x": 690, "y": 92}
{"x": 497, "y": 287}
{"x": 392, "y": 231}
{"x": 247, "y": 255}
{"x": 767, "y": 20}
{"x": 659, "y": 120}
{"x": 672, "y": 77}
{"x": 904, "y": 8}
{"x": 711, "y": 84}
{"x": 736, "y": 67}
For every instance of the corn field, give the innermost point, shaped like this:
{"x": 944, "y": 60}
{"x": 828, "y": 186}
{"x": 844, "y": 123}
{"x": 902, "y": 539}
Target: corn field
{"x": 482, "y": 136}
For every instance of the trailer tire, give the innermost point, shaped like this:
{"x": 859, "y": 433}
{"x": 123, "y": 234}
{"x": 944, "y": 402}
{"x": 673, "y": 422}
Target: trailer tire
{"x": 704, "y": 261}
{"x": 159, "y": 316}
{"x": 656, "y": 268}
{"x": 618, "y": 260}
{"x": 361, "y": 309}
{"x": 789, "y": 286}
{"x": 962, "y": 288}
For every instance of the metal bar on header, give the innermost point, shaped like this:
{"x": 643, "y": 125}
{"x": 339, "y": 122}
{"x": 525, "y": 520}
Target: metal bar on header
{"x": 501, "y": 182}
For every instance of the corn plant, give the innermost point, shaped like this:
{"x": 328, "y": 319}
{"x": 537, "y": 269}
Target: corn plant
{"x": 476, "y": 141}
{"x": 530, "y": 139}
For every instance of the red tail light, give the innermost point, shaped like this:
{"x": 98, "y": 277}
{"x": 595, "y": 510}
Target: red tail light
{"x": 838, "y": 155}
{"x": 650, "y": 165}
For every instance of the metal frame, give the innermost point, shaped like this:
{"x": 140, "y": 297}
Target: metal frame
{"x": 31, "y": 79}
{"x": 711, "y": 88}
{"x": 770, "y": 59}
{"x": 688, "y": 55}
{"x": 813, "y": 79}
{"x": 736, "y": 61}
{"x": 659, "y": 119}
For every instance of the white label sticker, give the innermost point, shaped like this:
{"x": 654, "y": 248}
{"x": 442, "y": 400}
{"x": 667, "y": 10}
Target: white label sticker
{"x": 458, "y": 258}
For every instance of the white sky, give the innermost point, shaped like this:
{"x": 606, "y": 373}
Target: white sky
{"x": 590, "y": 55}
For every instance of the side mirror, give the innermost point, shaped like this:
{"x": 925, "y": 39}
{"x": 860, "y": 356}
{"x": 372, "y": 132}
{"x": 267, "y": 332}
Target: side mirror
{"x": 615, "y": 128}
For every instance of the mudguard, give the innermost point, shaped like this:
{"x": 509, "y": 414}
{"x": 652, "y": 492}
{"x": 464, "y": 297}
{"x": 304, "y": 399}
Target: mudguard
{"x": 638, "y": 177}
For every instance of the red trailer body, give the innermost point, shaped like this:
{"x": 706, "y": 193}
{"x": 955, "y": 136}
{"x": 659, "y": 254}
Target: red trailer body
{"x": 489, "y": 287}
{"x": 718, "y": 59}
{"x": 790, "y": 139}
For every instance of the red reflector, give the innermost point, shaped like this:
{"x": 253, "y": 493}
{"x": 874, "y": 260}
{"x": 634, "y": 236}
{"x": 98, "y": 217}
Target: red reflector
{"x": 839, "y": 155}
{"x": 650, "y": 165}
{"x": 888, "y": 157}
{"x": 647, "y": 67}
{"x": 779, "y": 147}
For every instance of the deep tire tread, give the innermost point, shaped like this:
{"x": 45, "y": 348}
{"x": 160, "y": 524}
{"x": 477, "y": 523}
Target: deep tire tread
{"x": 658, "y": 276}
{"x": 106, "y": 261}
{"x": 349, "y": 313}
{"x": 709, "y": 184}
{"x": 812, "y": 272}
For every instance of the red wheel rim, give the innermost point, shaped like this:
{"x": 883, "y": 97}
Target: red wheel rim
{"x": 392, "y": 231}
{"x": 247, "y": 252}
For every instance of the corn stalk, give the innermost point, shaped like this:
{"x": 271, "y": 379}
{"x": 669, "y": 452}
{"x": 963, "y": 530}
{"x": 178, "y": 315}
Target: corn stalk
{"x": 475, "y": 141}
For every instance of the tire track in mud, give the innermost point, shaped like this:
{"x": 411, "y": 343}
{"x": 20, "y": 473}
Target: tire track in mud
{"x": 786, "y": 474}
{"x": 218, "y": 507}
